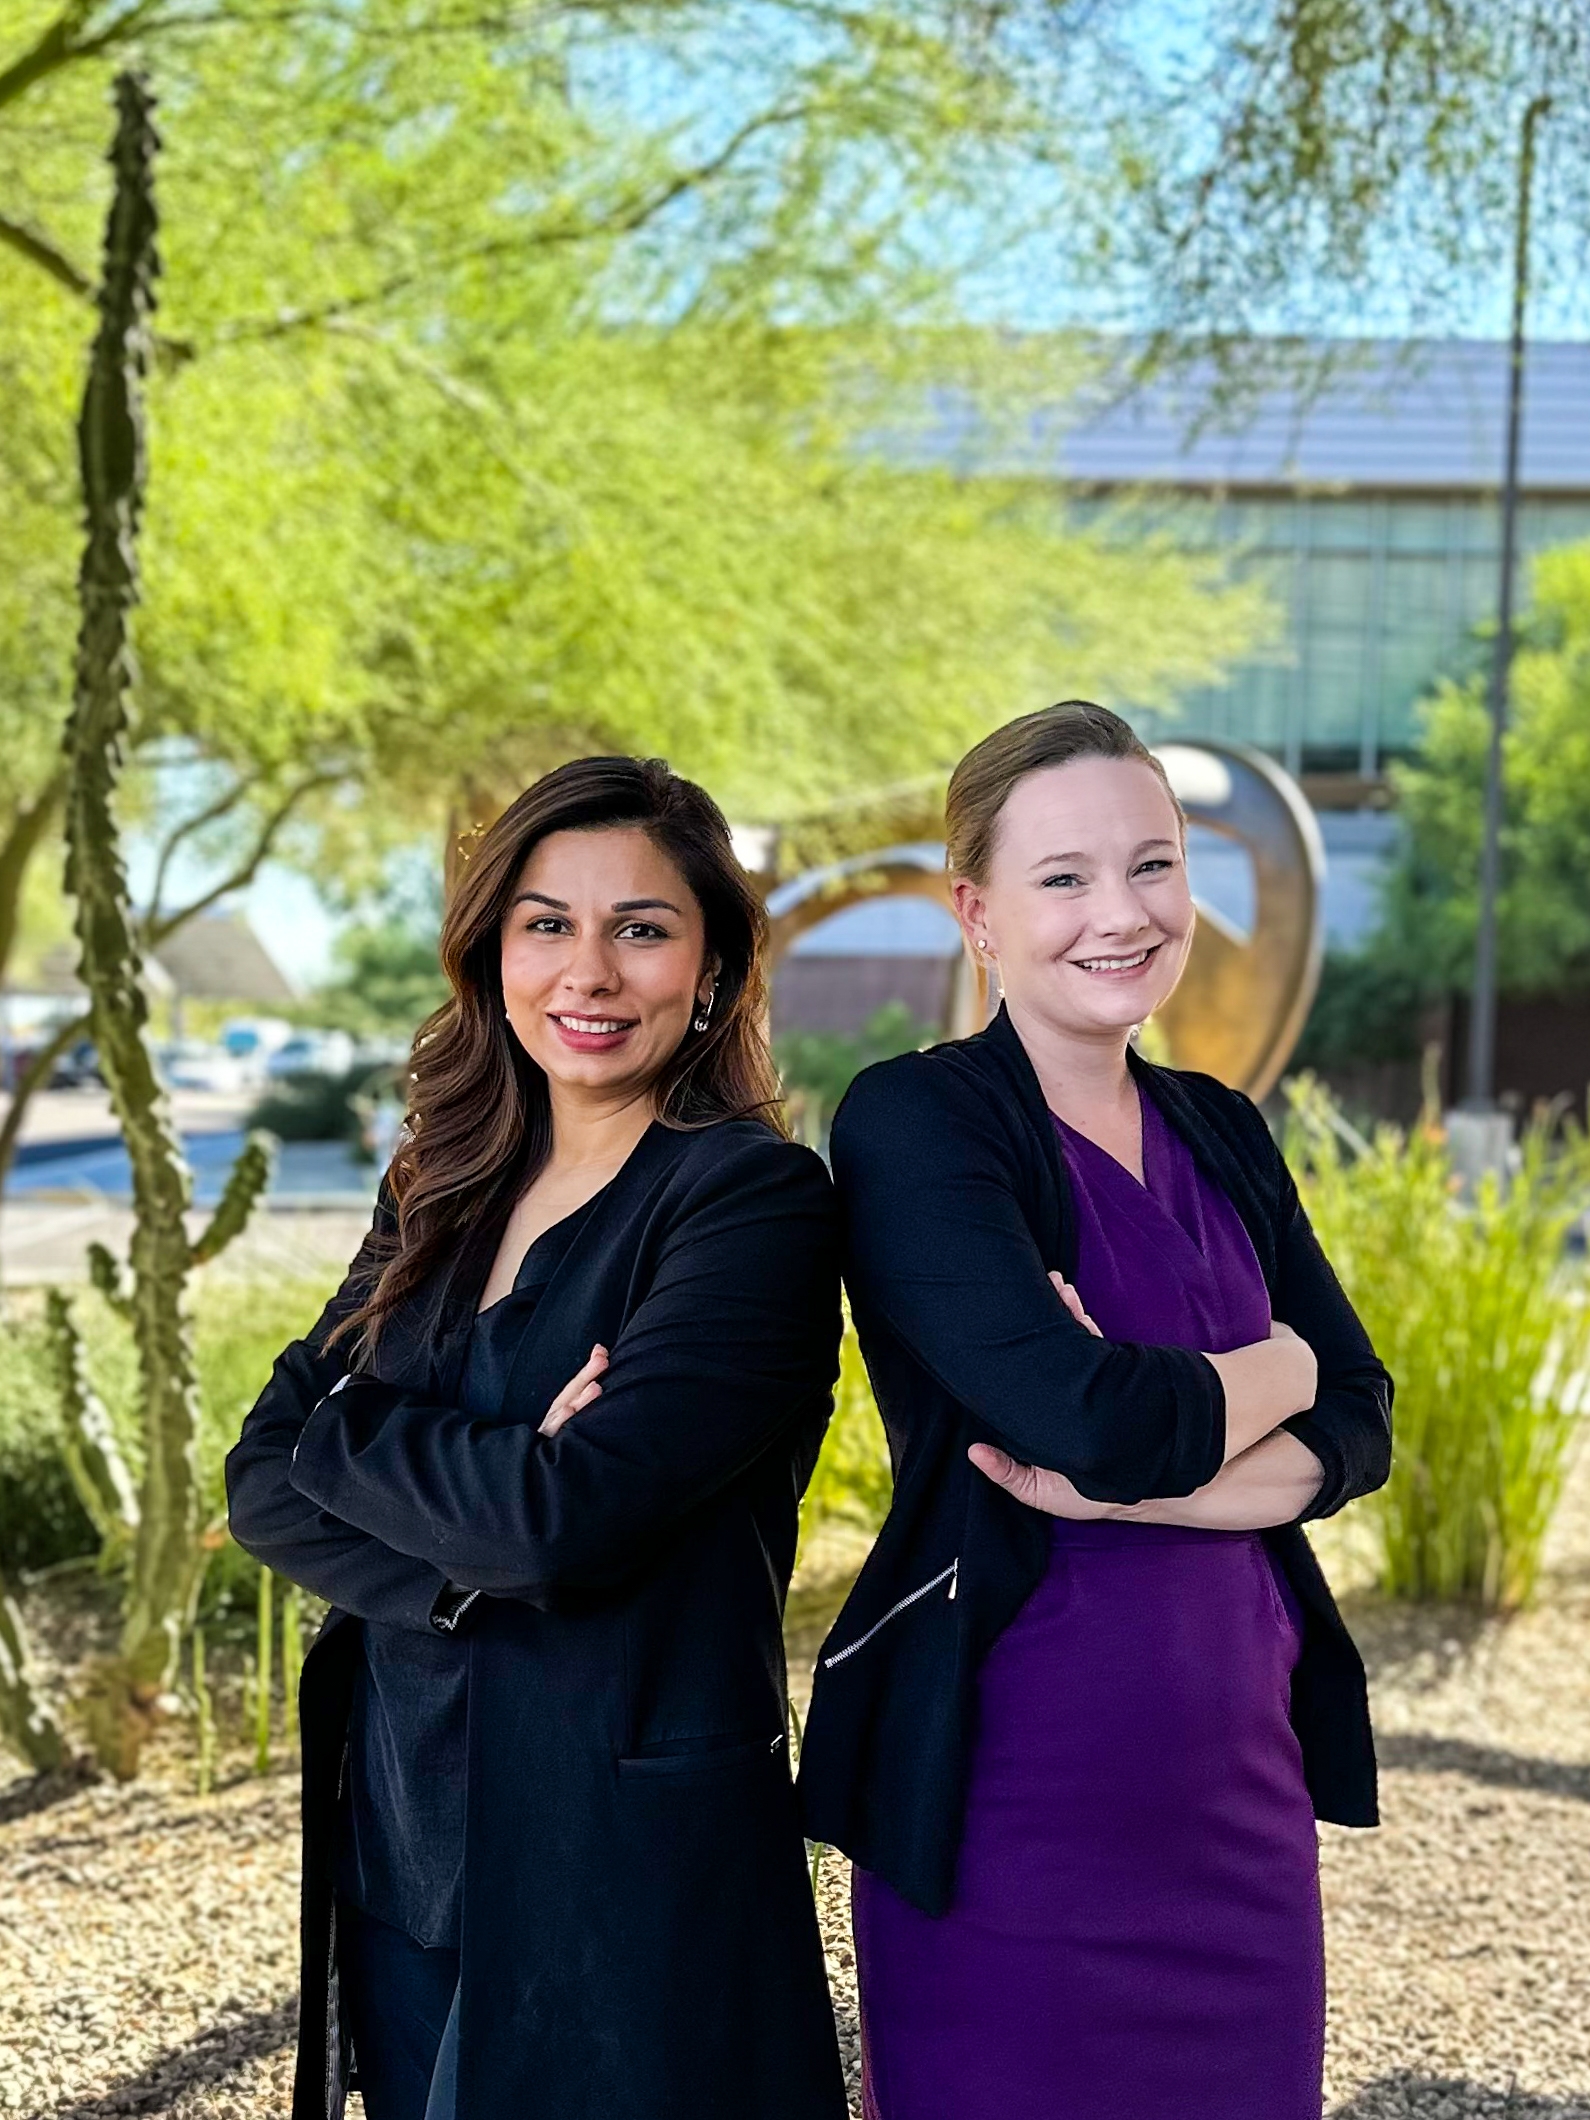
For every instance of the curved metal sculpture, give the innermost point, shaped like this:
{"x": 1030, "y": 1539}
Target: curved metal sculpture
{"x": 1243, "y": 999}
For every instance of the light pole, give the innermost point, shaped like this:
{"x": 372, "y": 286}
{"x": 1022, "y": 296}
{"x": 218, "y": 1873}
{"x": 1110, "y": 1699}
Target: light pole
{"x": 1481, "y": 1097}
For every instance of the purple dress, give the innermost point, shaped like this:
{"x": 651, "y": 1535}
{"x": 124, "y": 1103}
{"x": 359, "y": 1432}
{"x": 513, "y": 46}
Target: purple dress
{"x": 1136, "y": 1932}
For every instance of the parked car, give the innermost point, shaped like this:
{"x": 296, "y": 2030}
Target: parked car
{"x": 77, "y": 1067}
{"x": 189, "y": 1063}
{"x": 311, "y": 1053}
{"x": 252, "y": 1039}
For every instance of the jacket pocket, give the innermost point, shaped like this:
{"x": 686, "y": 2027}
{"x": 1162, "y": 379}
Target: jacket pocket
{"x": 948, "y": 1575}
{"x": 705, "y": 1760}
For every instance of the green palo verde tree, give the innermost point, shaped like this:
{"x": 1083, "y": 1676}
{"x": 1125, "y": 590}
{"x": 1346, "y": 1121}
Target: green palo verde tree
{"x": 161, "y": 1525}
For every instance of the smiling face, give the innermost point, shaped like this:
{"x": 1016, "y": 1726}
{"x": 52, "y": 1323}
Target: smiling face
{"x": 604, "y": 961}
{"x": 1086, "y": 911}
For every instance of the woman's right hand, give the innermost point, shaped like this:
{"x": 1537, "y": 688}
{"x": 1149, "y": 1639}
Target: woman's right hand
{"x": 577, "y": 1393}
{"x": 1307, "y": 1363}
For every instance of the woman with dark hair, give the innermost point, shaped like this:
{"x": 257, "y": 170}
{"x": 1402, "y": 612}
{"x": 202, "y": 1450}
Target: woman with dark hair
{"x": 1090, "y": 1691}
{"x": 542, "y": 1453}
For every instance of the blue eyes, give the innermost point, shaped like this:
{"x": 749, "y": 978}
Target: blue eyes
{"x": 1143, "y": 868}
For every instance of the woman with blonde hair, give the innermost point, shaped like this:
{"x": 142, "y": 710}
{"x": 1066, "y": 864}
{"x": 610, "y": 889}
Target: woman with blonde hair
{"x": 1078, "y": 1716}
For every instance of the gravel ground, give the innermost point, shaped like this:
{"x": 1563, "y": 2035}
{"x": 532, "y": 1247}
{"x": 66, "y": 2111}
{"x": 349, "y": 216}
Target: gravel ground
{"x": 147, "y": 1946}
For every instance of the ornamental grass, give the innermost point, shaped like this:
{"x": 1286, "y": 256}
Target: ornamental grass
{"x": 1478, "y": 1306}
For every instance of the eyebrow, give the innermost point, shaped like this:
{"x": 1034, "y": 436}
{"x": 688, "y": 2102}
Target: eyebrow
{"x": 622, "y": 905}
{"x": 1048, "y": 860}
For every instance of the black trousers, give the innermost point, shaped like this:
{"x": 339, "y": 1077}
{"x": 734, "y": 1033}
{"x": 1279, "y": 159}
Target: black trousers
{"x": 400, "y": 2003}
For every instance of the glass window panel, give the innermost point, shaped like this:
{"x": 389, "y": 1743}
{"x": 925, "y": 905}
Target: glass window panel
{"x": 1335, "y": 673}
{"x": 1418, "y": 526}
{"x": 1414, "y": 597}
{"x": 1337, "y": 592}
{"x": 1475, "y": 526}
{"x": 1477, "y": 597}
{"x": 1334, "y": 524}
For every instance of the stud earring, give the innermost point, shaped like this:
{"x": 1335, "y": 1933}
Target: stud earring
{"x": 982, "y": 942}
{"x": 704, "y": 1011}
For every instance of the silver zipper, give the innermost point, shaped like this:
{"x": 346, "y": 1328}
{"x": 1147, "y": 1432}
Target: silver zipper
{"x": 948, "y": 1575}
{"x": 448, "y": 1621}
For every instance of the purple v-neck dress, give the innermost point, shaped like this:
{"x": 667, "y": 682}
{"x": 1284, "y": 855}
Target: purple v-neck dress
{"x": 1135, "y": 1933}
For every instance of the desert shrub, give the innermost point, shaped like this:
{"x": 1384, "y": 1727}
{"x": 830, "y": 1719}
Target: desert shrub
{"x": 1482, "y": 1317}
{"x": 317, "y": 1107}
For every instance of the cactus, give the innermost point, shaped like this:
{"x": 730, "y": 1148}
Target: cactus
{"x": 88, "y": 1440}
{"x": 27, "y": 1723}
{"x": 106, "y": 1273}
{"x": 245, "y": 1187}
{"x": 127, "y": 1691}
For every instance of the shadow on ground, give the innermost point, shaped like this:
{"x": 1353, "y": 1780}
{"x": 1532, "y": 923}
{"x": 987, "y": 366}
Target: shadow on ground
{"x": 38, "y": 1792}
{"x": 1403, "y": 2097}
{"x": 1413, "y": 1646}
{"x": 208, "y": 2059}
{"x": 1485, "y": 1763}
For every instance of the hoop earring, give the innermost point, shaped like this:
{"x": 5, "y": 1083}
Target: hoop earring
{"x": 704, "y": 1012}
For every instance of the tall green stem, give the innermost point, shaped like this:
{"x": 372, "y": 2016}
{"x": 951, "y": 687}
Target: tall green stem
{"x": 262, "y": 1678}
{"x": 125, "y": 1693}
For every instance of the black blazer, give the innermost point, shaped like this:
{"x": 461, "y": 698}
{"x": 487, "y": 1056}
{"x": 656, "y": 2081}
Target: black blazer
{"x": 638, "y": 1939}
{"x": 956, "y": 1204}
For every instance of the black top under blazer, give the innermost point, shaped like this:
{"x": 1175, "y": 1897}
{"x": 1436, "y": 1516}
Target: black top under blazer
{"x": 638, "y": 1940}
{"x": 956, "y": 1205}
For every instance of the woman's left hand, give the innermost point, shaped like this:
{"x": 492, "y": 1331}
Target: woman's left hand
{"x": 1050, "y": 1492}
{"x": 577, "y": 1393}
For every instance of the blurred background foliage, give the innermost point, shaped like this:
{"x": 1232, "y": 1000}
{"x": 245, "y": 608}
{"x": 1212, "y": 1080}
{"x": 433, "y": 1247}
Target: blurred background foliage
{"x": 1478, "y": 1308}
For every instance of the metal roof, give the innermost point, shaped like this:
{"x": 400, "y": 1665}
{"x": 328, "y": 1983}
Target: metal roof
{"x": 1422, "y": 416}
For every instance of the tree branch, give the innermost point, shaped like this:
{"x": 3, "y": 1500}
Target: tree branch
{"x": 33, "y": 1077}
{"x": 188, "y": 826}
{"x": 625, "y": 220}
{"x": 69, "y": 38}
{"x": 38, "y": 250}
{"x": 29, "y": 825}
{"x": 154, "y": 932}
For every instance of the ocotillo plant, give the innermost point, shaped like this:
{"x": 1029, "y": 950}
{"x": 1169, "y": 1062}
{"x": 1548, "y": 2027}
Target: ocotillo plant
{"x": 127, "y": 1689}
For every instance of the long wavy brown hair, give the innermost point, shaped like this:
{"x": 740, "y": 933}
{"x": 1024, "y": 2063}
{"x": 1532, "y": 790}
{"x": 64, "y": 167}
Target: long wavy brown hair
{"x": 478, "y": 1128}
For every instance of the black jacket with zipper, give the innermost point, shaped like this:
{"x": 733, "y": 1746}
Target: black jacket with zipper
{"x": 956, "y": 1206}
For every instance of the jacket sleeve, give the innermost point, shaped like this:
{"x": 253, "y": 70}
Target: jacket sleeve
{"x": 734, "y": 1340}
{"x": 1348, "y": 1427}
{"x": 279, "y": 1526}
{"x": 938, "y": 1249}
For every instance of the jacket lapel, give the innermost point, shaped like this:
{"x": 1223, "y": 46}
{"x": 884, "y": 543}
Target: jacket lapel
{"x": 581, "y": 1302}
{"x": 1001, "y": 1049}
